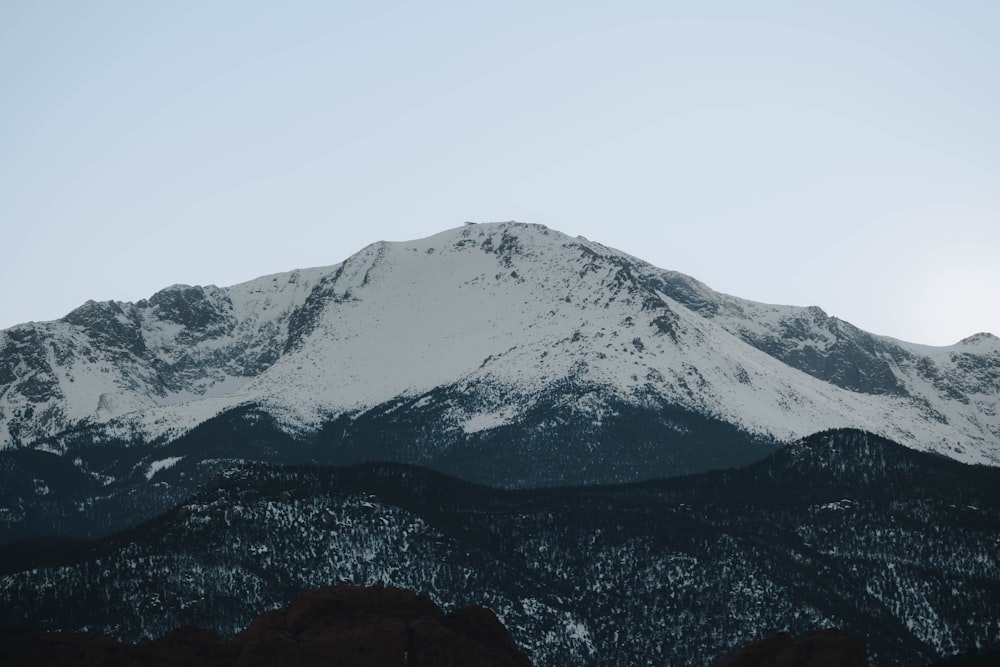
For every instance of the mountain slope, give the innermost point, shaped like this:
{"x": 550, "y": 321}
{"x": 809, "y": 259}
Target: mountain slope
{"x": 896, "y": 546}
{"x": 507, "y": 316}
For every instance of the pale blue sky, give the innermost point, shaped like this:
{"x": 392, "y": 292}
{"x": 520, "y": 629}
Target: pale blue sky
{"x": 840, "y": 154}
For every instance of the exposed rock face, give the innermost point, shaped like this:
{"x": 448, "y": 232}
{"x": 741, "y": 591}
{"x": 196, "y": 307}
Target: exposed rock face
{"x": 344, "y": 625}
{"x": 823, "y": 648}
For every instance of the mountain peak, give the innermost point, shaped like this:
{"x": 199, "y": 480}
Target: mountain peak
{"x": 509, "y": 315}
{"x": 981, "y": 338}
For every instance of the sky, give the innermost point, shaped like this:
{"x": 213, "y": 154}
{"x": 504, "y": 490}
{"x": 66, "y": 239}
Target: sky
{"x": 840, "y": 154}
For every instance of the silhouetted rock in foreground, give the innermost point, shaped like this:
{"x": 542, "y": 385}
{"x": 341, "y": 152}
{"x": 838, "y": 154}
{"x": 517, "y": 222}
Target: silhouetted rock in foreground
{"x": 823, "y": 648}
{"x": 345, "y": 625}
{"x": 975, "y": 659}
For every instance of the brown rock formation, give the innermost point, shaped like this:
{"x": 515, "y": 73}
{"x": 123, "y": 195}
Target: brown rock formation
{"x": 345, "y": 625}
{"x": 822, "y": 648}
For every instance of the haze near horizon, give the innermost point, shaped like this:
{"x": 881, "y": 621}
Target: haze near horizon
{"x": 844, "y": 156}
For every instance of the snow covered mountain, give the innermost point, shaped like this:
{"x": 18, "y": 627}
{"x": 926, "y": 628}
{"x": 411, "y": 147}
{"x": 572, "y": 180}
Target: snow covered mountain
{"x": 479, "y": 330}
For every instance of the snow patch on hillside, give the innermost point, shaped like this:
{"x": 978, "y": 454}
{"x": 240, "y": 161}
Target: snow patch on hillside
{"x": 162, "y": 464}
{"x": 491, "y": 420}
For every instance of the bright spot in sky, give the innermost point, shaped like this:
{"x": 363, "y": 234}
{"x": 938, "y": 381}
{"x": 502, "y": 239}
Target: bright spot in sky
{"x": 959, "y": 280}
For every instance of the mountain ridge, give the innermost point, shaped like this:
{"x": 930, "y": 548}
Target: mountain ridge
{"x": 500, "y": 311}
{"x": 897, "y": 548}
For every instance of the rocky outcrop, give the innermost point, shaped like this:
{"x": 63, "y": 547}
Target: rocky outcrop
{"x": 343, "y": 625}
{"x": 822, "y": 648}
